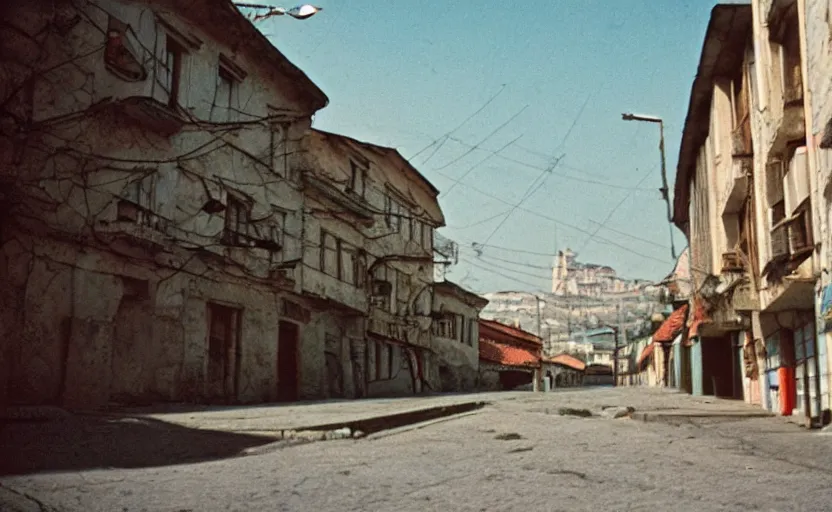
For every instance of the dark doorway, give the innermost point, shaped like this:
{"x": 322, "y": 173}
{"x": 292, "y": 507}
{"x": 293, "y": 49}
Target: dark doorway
{"x": 223, "y": 352}
{"x": 288, "y": 354}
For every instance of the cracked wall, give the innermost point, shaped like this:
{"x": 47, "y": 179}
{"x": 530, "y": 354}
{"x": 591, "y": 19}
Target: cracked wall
{"x": 111, "y": 242}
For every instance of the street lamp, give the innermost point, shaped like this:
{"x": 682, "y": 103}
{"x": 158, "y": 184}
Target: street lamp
{"x": 301, "y": 12}
{"x": 664, "y": 190}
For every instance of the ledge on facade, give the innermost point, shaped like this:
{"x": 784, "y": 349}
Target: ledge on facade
{"x": 742, "y": 168}
{"x": 796, "y": 293}
{"x": 792, "y": 126}
{"x": 148, "y": 113}
{"x": 135, "y": 224}
{"x": 354, "y": 204}
{"x": 324, "y": 303}
{"x": 242, "y": 240}
{"x": 406, "y": 330}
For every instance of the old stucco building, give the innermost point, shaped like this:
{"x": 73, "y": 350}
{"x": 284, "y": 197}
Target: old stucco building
{"x": 750, "y": 196}
{"x": 150, "y": 213}
{"x": 456, "y": 336}
{"x": 368, "y": 266}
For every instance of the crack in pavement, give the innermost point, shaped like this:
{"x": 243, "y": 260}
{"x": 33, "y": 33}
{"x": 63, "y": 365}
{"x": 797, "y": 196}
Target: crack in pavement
{"x": 41, "y": 505}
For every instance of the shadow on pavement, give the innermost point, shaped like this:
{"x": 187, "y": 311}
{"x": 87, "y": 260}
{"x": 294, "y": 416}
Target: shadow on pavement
{"x": 87, "y": 442}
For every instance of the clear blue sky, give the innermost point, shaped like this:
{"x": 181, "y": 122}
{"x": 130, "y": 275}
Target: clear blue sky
{"x": 403, "y": 74}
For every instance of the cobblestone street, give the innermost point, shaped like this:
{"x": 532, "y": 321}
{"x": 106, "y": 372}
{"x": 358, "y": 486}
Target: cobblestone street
{"x": 518, "y": 453}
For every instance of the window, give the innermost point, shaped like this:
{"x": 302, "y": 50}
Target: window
{"x": 379, "y": 360}
{"x": 472, "y": 331}
{"x": 791, "y": 77}
{"x": 427, "y": 237}
{"x": 278, "y": 229}
{"x": 348, "y": 259}
{"x": 224, "y": 104}
{"x": 329, "y": 254}
{"x": 171, "y": 70}
{"x": 446, "y": 326}
{"x": 237, "y": 220}
{"x": 416, "y": 231}
{"x": 394, "y": 214}
{"x": 358, "y": 176}
{"x": 800, "y": 231}
{"x": 383, "y": 293}
{"x": 139, "y": 190}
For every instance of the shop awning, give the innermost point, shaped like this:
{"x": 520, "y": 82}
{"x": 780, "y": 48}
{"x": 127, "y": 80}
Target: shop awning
{"x": 672, "y": 326}
{"x": 645, "y": 354}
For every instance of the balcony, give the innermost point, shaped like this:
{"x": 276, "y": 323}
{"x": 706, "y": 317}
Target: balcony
{"x": 328, "y": 292}
{"x": 352, "y": 203}
{"x": 403, "y": 329}
{"x": 745, "y": 297}
{"x": 136, "y": 225}
{"x": 147, "y": 113}
{"x": 736, "y": 191}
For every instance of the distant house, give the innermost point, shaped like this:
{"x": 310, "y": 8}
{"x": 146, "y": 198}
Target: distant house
{"x": 455, "y": 337}
{"x": 563, "y": 371}
{"x": 509, "y": 357}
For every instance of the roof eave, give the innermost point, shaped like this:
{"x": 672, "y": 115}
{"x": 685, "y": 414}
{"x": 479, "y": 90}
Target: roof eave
{"x": 313, "y": 95}
{"x": 725, "y": 19}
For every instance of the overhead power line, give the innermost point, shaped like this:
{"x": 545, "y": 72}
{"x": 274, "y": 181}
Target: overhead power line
{"x": 477, "y": 145}
{"x": 551, "y": 219}
{"x": 460, "y": 125}
{"x": 534, "y": 187}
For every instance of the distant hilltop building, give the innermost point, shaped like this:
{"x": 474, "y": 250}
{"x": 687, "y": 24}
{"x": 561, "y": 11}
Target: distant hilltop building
{"x": 570, "y": 277}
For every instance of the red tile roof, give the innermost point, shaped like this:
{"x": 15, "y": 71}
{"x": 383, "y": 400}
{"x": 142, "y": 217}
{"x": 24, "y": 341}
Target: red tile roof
{"x": 507, "y": 355}
{"x": 512, "y": 332}
{"x": 568, "y": 361}
{"x": 672, "y": 326}
{"x": 647, "y": 352}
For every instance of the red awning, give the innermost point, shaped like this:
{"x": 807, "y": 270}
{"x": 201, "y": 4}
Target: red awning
{"x": 646, "y": 353}
{"x": 507, "y": 355}
{"x": 568, "y": 361}
{"x": 700, "y": 316}
{"x": 672, "y": 326}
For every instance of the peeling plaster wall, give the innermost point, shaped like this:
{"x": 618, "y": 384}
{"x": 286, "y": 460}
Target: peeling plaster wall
{"x": 66, "y": 248}
{"x": 770, "y": 122}
{"x": 458, "y": 358}
{"x": 402, "y": 244}
{"x": 818, "y": 40}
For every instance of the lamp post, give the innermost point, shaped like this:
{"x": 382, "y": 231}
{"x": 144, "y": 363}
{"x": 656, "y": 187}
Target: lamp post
{"x": 301, "y": 12}
{"x": 664, "y": 190}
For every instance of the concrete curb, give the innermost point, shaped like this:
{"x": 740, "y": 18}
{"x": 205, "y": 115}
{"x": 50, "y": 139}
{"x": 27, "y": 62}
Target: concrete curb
{"x": 688, "y": 417}
{"x": 394, "y": 423}
{"x": 416, "y": 426}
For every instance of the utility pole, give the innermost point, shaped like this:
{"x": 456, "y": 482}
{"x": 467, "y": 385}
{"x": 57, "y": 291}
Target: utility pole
{"x": 615, "y": 350}
{"x": 665, "y": 190}
{"x": 539, "y": 330}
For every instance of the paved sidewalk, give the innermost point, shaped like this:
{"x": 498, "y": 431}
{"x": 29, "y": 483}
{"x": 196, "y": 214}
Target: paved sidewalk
{"x": 265, "y": 419}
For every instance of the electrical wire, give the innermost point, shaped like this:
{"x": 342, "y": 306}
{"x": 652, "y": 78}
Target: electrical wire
{"x": 470, "y": 169}
{"x": 534, "y": 187}
{"x": 447, "y": 135}
{"x": 478, "y": 144}
{"x": 552, "y": 219}
{"x": 612, "y": 212}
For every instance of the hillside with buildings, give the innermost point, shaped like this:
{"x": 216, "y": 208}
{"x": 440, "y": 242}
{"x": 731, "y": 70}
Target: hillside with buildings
{"x": 585, "y": 302}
